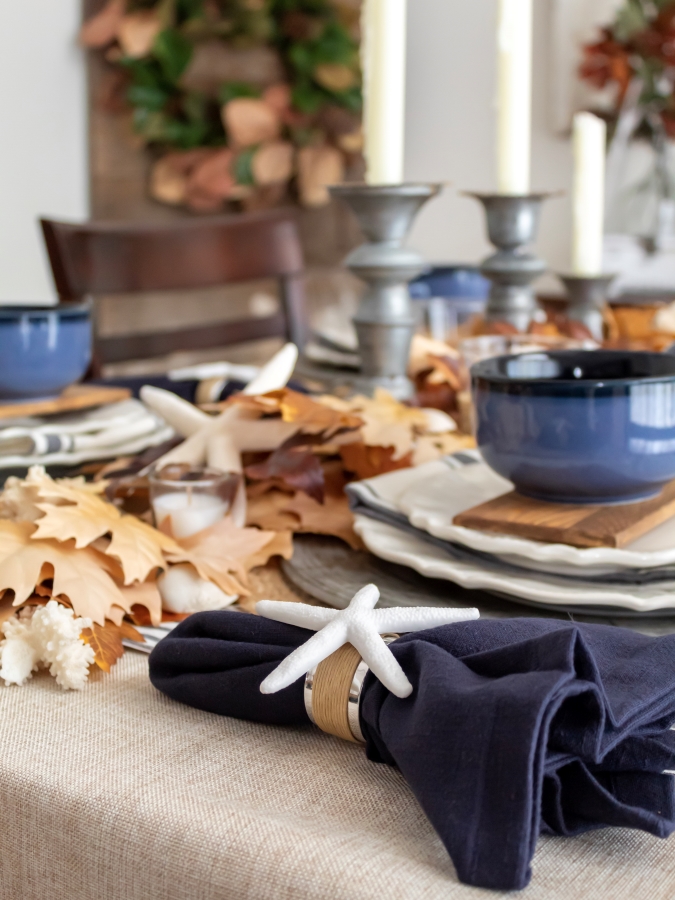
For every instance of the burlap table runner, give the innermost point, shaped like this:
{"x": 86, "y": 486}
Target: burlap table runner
{"x": 117, "y": 793}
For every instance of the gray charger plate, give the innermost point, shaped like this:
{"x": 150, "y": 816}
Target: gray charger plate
{"x": 328, "y": 570}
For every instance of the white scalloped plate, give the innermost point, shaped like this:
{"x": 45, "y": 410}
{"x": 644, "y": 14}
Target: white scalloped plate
{"x": 431, "y": 504}
{"x": 396, "y": 546}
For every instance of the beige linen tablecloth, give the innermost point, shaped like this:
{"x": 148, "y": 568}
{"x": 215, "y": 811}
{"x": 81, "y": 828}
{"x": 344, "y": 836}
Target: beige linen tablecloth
{"x": 117, "y": 793}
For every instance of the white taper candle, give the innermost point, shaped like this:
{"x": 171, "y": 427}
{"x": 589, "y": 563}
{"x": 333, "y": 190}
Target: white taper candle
{"x": 383, "y": 60}
{"x": 588, "y": 198}
{"x": 514, "y": 96}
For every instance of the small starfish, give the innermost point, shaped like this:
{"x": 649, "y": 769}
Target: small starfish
{"x": 361, "y": 625}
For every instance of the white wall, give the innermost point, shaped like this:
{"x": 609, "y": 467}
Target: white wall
{"x": 450, "y": 132}
{"x": 451, "y": 127}
{"x": 43, "y": 138}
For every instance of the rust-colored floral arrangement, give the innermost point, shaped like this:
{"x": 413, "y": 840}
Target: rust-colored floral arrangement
{"x": 245, "y": 102}
{"x": 638, "y": 47}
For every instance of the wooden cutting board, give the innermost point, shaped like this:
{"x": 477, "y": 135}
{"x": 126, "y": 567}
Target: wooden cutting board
{"x": 75, "y": 397}
{"x": 566, "y": 523}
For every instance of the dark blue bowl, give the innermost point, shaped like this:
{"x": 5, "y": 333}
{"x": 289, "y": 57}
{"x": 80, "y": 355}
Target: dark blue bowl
{"x": 451, "y": 281}
{"x": 578, "y": 426}
{"x": 43, "y": 349}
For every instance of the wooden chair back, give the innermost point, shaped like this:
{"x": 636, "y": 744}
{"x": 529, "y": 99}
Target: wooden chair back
{"x": 96, "y": 258}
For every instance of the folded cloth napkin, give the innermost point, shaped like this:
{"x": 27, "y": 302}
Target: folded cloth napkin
{"x": 514, "y": 726}
{"x": 116, "y": 429}
{"x": 383, "y": 498}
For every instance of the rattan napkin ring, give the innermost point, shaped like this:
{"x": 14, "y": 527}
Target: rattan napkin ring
{"x": 333, "y": 692}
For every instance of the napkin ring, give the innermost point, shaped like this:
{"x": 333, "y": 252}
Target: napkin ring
{"x": 333, "y": 692}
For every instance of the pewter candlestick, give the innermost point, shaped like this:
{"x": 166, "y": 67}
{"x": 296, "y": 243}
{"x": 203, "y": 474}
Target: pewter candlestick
{"x": 587, "y": 299}
{"x": 385, "y": 320}
{"x": 512, "y": 223}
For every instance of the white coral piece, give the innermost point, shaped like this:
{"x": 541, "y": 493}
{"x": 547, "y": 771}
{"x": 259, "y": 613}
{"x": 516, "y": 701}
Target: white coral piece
{"x": 18, "y": 653}
{"x": 52, "y": 637}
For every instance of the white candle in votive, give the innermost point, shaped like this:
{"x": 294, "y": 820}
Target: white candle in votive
{"x": 588, "y": 197}
{"x": 514, "y": 96}
{"x": 383, "y": 62}
{"x": 188, "y": 512}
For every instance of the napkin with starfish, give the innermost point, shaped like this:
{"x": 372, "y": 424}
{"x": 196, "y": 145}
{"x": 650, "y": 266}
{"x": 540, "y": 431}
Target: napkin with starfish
{"x": 513, "y": 727}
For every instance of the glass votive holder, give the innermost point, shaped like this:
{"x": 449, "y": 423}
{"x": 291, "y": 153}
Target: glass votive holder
{"x": 186, "y": 499}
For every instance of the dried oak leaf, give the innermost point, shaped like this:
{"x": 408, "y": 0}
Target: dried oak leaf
{"x": 224, "y": 554}
{"x": 424, "y": 349}
{"x": 145, "y": 594}
{"x": 367, "y": 462}
{"x": 256, "y": 489}
{"x": 101, "y": 29}
{"x": 268, "y": 511}
{"x": 261, "y": 404}
{"x": 140, "y": 616}
{"x": 446, "y": 370}
{"x": 106, "y": 641}
{"x": 332, "y": 517}
{"x": 388, "y": 423}
{"x": 7, "y": 608}
{"x": 280, "y": 545}
{"x": 77, "y": 574}
{"x": 295, "y": 465}
{"x": 84, "y": 517}
{"x": 313, "y": 416}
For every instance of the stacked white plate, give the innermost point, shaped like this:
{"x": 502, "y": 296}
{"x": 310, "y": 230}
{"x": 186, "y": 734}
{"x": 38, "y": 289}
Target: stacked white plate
{"x": 406, "y": 517}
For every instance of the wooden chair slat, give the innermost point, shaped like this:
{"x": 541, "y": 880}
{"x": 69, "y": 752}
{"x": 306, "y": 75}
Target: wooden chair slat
{"x": 95, "y": 258}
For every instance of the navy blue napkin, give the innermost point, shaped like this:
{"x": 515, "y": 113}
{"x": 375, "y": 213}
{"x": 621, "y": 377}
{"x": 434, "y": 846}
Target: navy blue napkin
{"x": 514, "y": 726}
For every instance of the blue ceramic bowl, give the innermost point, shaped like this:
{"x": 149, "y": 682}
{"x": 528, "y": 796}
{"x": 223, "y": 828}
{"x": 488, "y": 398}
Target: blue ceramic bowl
{"x": 578, "y": 426}
{"x": 43, "y": 349}
{"x": 451, "y": 281}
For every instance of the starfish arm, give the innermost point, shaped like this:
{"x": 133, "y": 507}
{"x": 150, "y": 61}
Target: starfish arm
{"x": 366, "y": 598}
{"x": 300, "y": 614}
{"x": 381, "y": 660}
{"x": 405, "y": 619}
{"x": 302, "y": 659}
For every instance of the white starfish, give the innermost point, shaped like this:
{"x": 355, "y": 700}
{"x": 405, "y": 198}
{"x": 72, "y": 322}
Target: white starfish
{"x": 361, "y": 625}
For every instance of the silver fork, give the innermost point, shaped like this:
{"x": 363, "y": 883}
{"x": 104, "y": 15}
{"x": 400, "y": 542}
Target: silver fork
{"x": 153, "y": 634}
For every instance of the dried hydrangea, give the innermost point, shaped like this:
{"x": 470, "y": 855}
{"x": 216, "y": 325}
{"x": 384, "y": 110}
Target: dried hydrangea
{"x": 51, "y": 637}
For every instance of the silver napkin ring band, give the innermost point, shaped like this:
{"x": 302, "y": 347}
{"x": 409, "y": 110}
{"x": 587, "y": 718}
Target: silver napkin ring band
{"x": 354, "y": 698}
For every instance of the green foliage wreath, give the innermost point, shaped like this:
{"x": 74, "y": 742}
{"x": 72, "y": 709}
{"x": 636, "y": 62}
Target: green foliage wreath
{"x": 185, "y": 66}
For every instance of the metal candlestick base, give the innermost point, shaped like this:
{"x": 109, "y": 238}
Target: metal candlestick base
{"x": 385, "y": 320}
{"x": 587, "y": 299}
{"x": 512, "y": 223}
